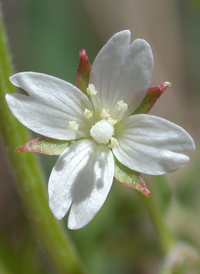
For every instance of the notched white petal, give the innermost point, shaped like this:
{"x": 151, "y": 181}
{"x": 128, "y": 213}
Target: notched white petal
{"x": 82, "y": 177}
{"x": 62, "y": 181}
{"x": 53, "y": 92}
{"x": 40, "y": 118}
{"x": 52, "y": 104}
{"x": 92, "y": 187}
{"x": 122, "y": 72}
{"x": 151, "y": 145}
{"x": 136, "y": 74}
{"x": 107, "y": 66}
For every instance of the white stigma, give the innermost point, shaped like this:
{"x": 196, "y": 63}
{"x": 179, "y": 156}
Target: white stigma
{"x": 87, "y": 113}
{"x": 91, "y": 90}
{"x": 102, "y": 132}
{"x": 73, "y": 125}
{"x": 122, "y": 107}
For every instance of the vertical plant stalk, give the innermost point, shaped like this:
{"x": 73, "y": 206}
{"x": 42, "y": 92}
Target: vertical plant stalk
{"x": 30, "y": 179}
{"x": 165, "y": 237}
{"x": 156, "y": 212}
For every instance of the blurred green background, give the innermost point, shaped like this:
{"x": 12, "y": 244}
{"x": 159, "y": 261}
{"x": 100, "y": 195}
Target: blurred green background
{"x": 46, "y": 36}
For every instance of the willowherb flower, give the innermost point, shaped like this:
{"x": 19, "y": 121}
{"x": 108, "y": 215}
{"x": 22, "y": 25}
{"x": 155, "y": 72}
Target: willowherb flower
{"x": 100, "y": 126}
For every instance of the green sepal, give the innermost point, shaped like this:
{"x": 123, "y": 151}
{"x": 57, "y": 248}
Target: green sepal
{"x": 83, "y": 71}
{"x": 151, "y": 97}
{"x": 44, "y": 145}
{"x": 130, "y": 178}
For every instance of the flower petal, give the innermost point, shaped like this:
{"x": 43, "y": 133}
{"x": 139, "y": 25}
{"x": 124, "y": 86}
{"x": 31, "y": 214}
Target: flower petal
{"x": 82, "y": 176}
{"x": 52, "y": 91}
{"x": 122, "y": 72}
{"x": 107, "y": 66}
{"x": 149, "y": 144}
{"x": 136, "y": 74}
{"x": 52, "y": 104}
{"x": 41, "y": 118}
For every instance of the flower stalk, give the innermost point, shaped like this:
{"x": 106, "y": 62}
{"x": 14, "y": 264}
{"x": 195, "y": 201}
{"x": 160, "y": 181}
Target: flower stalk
{"x": 165, "y": 237}
{"x": 29, "y": 178}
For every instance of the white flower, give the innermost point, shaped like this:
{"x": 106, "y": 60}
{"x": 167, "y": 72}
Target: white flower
{"x": 103, "y": 126}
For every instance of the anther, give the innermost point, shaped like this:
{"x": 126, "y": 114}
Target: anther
{"x": 113, "y": 142}
{"x": 105, "y": 113}
{"x": 87, "y": 113}
{"x": 91, "y": 90}
{"x": 73, "y": 125}
{"x": 112, "y": 121}
{"x": 122, "y": 107}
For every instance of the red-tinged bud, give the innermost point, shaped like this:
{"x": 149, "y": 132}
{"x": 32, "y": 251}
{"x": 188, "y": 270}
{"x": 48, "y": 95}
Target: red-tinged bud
{"x": 83, "y": 71}
{"x": 151, "y": 97}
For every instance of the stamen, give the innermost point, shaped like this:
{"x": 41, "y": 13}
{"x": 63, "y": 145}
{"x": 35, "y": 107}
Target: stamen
{"x": 73, "y": 125}
{"x": 91, "y": 90}
{"x": 112, "y": 121}
{"x": 87, "y": 113}
{"x": 113, "y": 143}
{"x": 105, "y": 113}
{"x": 122, "y": 107}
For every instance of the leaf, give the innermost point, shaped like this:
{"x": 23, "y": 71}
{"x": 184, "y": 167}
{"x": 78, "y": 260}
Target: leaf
{"x": 151, "y": 97}
{"x": 44, "y": 145}
{"x": 83, "y": 71}
{"x": 130, "y": 178}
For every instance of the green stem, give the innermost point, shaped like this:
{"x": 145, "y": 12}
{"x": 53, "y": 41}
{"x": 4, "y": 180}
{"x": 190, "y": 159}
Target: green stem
{"x": 30, "y": 180}
{"x": 155, "y": 210}
{"x": 164, "y": 235}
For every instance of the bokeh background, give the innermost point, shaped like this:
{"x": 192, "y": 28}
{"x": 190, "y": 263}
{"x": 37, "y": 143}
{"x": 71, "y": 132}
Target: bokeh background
{"x": 46, "y": 36}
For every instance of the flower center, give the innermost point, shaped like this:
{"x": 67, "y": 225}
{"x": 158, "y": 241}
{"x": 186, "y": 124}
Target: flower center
{"x": 102, "y": 132}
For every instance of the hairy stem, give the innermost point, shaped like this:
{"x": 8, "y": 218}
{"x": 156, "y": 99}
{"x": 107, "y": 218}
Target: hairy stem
{"x": 29, "y": 178}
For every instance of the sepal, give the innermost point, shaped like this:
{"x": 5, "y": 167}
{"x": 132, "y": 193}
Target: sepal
{"x": 44, "y": 145}
{"x": 151, "y": 97}
{"x": 83, "y": 71}
{"x": 130, "y": 178}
